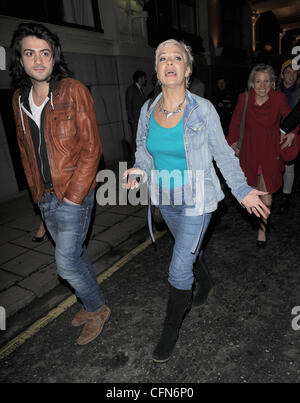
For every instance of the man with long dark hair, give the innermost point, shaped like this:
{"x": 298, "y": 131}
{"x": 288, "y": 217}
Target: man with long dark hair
{"x": 60, "y": 147}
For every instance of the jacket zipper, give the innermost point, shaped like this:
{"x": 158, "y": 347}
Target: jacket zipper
{"x": 48, "y": 146}
{"x": 42, "y": 121}
{"x": 41, "y": 160}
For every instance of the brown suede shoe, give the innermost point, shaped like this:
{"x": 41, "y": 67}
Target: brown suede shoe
{"x": 79, "y": 318}
{"x": 93, "y": 325}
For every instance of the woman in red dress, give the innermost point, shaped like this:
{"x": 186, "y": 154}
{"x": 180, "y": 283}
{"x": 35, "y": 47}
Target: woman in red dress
{"x": 262, "y": 146}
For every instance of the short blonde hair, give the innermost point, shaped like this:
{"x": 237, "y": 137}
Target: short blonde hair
{"x": 262, "y": 68}
{"x": 187, "y": 51}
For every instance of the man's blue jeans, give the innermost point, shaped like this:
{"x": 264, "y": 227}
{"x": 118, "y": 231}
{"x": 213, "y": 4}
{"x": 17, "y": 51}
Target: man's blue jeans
{"x": 68, "y": 225}
{"x": 185, "y": 230}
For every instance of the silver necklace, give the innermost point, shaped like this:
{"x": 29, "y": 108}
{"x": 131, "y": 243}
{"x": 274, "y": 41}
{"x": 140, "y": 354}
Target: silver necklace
{"x": 168, "y": 113}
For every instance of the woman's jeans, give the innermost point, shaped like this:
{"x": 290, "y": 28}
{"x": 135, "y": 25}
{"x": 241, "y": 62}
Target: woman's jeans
{"x": 68, "y": 225}
{"x": 185, "y": 230}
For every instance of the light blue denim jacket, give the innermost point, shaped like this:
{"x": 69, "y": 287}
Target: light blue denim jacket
{"x": 204, "y": 141}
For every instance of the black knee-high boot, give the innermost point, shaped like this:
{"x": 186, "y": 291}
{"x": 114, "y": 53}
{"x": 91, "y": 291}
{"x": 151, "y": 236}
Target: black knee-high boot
{"x": 204, "y": 283}
{"x": 179, "y": 301}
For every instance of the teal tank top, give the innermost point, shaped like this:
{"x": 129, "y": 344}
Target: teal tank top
{"x": 167, "y": 149}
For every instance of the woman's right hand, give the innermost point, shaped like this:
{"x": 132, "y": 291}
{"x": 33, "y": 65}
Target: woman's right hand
{"x": 132, "y": 183}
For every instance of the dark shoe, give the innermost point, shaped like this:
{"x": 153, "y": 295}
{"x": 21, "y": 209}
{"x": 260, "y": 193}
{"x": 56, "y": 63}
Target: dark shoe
{"x": 93, "y": 325}
{"x": 39, "y": 238}
{"x": 285, "y": 202}
{"x": 264, "y": 227}
{"x": 178, "y": 303}
{"x": 204, "y": 287}
{"x": 261, "y": 244}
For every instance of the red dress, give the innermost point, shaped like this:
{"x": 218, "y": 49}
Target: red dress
{"x": 261, "y": 141}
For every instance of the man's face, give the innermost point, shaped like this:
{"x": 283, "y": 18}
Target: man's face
{"x": 143, "y": 81}
{"x": 289, "y": 77}
{"x": 36, "y": 58}
{"x": 221, "y": 84}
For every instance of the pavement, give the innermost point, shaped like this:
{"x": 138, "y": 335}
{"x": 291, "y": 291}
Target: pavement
{"x": 28, "y": 269}
{"x": 247, "y": 332}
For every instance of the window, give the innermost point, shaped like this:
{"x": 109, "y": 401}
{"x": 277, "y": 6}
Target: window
{"x": 82, "y": 14}
{"x": 184, "y": 16}
{"x": 173, "y": 19}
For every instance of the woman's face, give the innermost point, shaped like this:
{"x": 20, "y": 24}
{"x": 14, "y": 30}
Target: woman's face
{"x": 172, "y": 69}
{"x": 262, "y": 84}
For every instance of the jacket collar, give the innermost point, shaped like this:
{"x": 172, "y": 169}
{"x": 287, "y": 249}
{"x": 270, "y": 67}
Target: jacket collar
{"x": 191, "y": 103}
{"x": 24, "y": 100}
{"x": 24, "y": 93}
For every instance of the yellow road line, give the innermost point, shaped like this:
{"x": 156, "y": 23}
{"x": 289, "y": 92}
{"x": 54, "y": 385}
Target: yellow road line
{"x": 67, "y": 303}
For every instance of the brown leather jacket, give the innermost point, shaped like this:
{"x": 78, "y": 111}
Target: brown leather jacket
{"x": 72, "y": 139}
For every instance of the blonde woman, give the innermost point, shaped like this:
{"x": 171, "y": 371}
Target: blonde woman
{"x": 181, "y": 132}
{"x": 262, "y": 147}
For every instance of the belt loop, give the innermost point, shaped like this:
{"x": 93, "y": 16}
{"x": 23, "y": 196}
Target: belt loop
{"x": 50, "y": 190}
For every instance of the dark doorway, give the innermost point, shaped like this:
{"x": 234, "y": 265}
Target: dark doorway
{"x": 7, "y": 116}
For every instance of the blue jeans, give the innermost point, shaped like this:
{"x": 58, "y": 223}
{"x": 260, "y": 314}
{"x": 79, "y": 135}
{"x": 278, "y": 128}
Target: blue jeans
{"x": 68, "y": 225}
{"x": 186, "y": 230}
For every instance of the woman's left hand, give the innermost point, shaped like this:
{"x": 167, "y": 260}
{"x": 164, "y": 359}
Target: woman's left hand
{"x": 253, "y": 203}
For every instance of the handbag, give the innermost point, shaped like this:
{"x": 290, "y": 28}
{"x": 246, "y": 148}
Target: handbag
{"x": 243, "y": 121}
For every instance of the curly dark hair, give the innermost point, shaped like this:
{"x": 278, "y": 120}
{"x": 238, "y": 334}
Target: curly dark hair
{"x": 19, "y": 76}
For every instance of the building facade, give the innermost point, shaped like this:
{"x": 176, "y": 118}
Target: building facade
{"x": 105, "y": 41}
{"x": 103, "y": 59}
